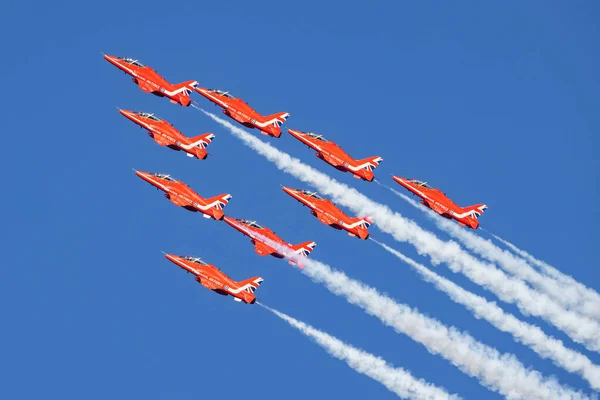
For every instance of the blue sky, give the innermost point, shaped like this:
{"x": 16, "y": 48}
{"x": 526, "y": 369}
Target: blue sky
{"x": 493, "y": 103}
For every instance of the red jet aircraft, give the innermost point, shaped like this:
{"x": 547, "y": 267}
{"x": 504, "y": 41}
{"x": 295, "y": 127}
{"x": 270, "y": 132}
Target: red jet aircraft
{"x": 240, "y": 111}
{"x": 329, "y": 214}
{"x": 214, "y": 279}
{"x": 333, "y": 154}
{"x": 165, "y": 134}
{"x": 182, "y": 195}
{"x": 151, "y": 82}
{"x": 441, "y": 204}
{"x": 263, "y": 240}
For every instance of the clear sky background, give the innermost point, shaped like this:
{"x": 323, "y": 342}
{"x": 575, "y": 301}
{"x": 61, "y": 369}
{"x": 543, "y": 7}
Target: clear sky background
{"x": 494, "y": 103}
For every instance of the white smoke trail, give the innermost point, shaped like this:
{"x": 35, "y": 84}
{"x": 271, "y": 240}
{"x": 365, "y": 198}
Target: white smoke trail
{"x": 499, "y": 372}
{"x": 585, "y": 292}
{"x": 580, "y": 329}
{"x": 527, "y": 334}
{"x": 397, "y": 380}
{"x": 568, "y": 294}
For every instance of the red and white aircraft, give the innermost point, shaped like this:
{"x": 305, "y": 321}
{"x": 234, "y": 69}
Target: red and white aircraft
{"x": 265, "y": 241}
{"x": 151, "y": 82}
{"x": 165, "y": 134}
{"x": 182, "y": 195}
{"x": 333, "y": 154}
{"x": 441, "y": 204}
{"x": 329, "y": 214}
{"x": 240, "y": 111}
{"x": 214, "y": 279}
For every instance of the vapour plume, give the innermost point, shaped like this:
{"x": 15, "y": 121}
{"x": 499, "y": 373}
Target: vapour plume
{"x": 567, "y": 293}
{"x": 396, "y": 380}
{"x": 511, "y": 290}
{"x": 584, "y": 292}
{"x": 498, "y": 372}
{"x": 529, "y": 335}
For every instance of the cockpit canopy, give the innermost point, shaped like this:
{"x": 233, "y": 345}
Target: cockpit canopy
{"x": 148, "y": 115}
{"x": 222, "y": 93}
{"x": 311, "y": 194}
{"x": 196, "y": 260}
{"x": 421, "y": 183}
{"x": 166, "y": 177}
{"x": 253, "y": 224}
{"x": 131, "y": 61}
{"x": 317, "y": 137}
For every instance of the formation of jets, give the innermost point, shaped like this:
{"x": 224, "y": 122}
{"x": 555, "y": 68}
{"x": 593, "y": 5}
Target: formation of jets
{"x": 265, "y": 241}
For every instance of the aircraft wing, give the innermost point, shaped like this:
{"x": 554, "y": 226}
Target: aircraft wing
{"x": 178, "y": 201}
{"x": 208, "y": 284}
{"x": 145, "y": 86}
{"x": 262, "y": 249}
{"x": 236, "y": 117}
{"x": 161, "y": 140}
{"x": 330, "y": 160}
{"x": 438, "y": 209}
{"x": 327, "y": 220}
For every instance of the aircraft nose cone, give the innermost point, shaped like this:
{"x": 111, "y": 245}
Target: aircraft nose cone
{"x": 143, "y": 175}
{"x": 171, "y": 257}
{"x": 398, "y": 179}
{"x": 110, "y": 59}
{"x": 288, "y": 190}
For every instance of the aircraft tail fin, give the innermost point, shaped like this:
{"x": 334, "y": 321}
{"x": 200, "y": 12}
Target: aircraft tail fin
{"x": 364, "y": 222}
{"x": 475, "y": 210}
{"x": 219, "y": 201}
{"x": 361, "y": 224}
{"x": 251, "y": 284}
{"x": 202, "y": 140}
{"x": 304, "y": 248}
{"x": 276, "y": 120}
{"x": 186, "y": 88}
{"x": 370, "y": 163}
{"x": 216, "y": 205}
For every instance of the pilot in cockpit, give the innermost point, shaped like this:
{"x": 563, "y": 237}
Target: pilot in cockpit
{"x": 132, "y": 61}
{"x": 166, "y": 177}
